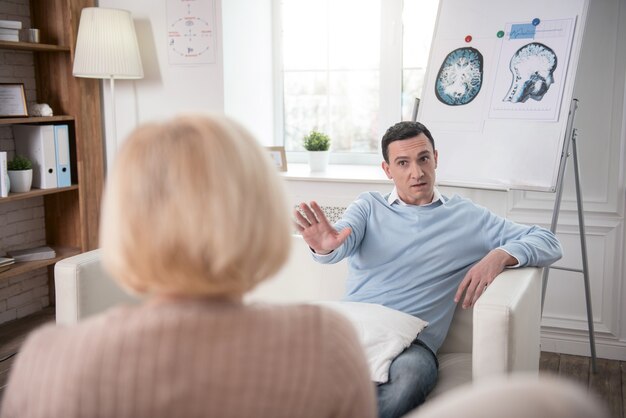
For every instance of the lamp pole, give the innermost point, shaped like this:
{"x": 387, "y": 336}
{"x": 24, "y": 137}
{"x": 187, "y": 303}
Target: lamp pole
{"x": 113, "y": 121}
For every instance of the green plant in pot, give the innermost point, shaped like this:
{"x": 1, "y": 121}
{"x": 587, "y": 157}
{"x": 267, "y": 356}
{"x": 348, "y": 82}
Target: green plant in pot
{"x": 20, "y": 170}
{"x": 317, "y": 145}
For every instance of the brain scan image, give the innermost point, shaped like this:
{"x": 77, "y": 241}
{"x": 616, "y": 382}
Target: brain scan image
{"x": 532, "y": 67}
{"x": 460, "y": 77}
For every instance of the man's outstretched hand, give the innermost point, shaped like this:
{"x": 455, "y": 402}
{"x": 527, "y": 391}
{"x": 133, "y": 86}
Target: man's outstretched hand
{"x": 317, "y": 231}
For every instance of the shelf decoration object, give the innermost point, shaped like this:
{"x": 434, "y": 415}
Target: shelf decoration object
{"x": 107, "y": 48}
{"x": 278, "y": 157}
{"x": 12, "y": 100}
{"x": 20, "y": 171}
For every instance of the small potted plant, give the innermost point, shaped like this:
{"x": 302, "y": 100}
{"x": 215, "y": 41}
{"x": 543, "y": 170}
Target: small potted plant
{"x": 317, "y": 145}
{"x": 20, "y": 171}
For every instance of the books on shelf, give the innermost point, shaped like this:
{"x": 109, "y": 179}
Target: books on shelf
{"x": 10, "y": 30}
{"x": 4, "y": 176}
{"x": 6, "y": 263}
{"x": 32, "y": 254}
{"x": 11, "y": 24}
{"x": 11, "y": 38}
{"x": 6, "y": 260}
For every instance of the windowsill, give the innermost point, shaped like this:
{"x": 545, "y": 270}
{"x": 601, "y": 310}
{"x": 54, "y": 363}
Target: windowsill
{"x": 353, "y": 173}
{"x": 341, "y": 173}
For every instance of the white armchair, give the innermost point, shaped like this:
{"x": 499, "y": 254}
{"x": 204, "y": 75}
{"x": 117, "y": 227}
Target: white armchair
{"x": 500, "y": 335}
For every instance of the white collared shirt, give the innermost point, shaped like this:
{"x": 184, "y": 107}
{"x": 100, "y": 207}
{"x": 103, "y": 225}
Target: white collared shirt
{"x": 394, "y": 198}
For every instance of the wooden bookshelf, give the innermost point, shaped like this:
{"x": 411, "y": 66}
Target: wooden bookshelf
{"x": 71, "y": 214}
{"x": 72, "y": 219}
{"x": 35, "y": 119}
{"x": 29, "y": 46}
{"x": 36, "y": 192}
{"x": 27, "y": 266}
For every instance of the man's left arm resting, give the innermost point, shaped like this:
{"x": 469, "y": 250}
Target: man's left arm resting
{"x": 535, "y": 247}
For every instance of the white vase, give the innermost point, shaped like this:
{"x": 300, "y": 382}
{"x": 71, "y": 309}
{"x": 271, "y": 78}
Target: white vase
{"x": 21, "y": 180}
{"x": 318, "y": 160}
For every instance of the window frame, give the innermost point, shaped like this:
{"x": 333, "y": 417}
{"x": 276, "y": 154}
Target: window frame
{"x": 390, "y": 93}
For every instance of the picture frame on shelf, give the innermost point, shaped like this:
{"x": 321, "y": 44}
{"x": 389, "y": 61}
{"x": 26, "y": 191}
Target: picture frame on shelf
{"x": 278, "y": 157}
{"x": 12, "y": 100}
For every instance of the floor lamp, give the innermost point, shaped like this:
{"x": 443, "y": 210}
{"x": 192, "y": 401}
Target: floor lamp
{"x": 107, "y": 48}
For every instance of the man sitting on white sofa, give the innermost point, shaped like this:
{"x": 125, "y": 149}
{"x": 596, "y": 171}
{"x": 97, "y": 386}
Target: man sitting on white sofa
{"x": 419, "y": 252}
{"x": 499, "y": 335}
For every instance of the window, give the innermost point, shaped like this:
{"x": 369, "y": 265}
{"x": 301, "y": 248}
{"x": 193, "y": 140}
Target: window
{"x": 340, "y": 69}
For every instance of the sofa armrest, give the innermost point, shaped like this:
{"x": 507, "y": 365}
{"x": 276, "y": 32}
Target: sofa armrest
{"x": 83, "y": 288}
{"x": 507, "y": 320}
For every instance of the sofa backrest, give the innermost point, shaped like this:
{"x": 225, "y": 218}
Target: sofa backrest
{"x": 304, "y": 280}
{"x": 83, "y": 288}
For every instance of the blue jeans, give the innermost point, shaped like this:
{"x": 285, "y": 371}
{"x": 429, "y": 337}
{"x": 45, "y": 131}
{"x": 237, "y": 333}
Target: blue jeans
{"x": 412, "y": 375}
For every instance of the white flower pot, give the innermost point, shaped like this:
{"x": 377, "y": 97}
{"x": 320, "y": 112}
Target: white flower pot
{"x": 21, "y": 180}
{"x": 318, "y": 160}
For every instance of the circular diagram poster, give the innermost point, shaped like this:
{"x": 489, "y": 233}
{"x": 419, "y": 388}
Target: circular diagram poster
{"x": 191, "y": 31}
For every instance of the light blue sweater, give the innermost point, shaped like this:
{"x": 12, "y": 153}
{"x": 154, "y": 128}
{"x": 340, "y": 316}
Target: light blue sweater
{"x": 413, "y": 258}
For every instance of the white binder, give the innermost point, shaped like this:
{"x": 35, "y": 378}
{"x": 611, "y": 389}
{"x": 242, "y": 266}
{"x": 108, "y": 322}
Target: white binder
{"x": 4, "y": 186}
{"x": 37, "y": 143}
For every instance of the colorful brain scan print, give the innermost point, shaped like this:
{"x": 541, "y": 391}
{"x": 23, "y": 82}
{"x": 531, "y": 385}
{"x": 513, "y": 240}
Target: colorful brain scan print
{"x": 460, "y": 77}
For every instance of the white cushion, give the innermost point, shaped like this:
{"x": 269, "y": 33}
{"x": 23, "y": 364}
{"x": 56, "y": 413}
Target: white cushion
{"x": 383, "y": 332}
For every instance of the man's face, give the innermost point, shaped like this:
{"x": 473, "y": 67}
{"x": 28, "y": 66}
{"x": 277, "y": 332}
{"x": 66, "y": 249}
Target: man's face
{"x": 412, "y": 164}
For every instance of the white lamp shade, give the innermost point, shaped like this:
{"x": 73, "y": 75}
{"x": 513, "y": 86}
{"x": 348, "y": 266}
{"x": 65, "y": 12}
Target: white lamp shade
{"x": 107, "y": 45}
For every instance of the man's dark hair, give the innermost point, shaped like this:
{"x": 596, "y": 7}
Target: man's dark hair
{"x": 403, "y": 130}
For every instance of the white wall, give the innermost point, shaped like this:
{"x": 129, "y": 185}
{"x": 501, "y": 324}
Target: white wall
{"x": 248, "y": 77}
{"x": 601, "y": 89}
{"x": 166, "y": 89}
{"x": 243, "y": 89}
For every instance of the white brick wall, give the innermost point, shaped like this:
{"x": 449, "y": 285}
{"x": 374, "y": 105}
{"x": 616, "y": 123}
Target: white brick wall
{"x": 22, "y": 222}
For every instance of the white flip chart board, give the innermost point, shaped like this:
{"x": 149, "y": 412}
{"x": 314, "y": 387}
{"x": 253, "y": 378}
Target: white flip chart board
{"x": 498, "y": 90}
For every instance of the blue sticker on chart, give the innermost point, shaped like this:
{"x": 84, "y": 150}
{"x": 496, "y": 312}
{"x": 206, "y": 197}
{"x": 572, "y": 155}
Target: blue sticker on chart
{"x": 536, "y": 21}
{"x": 523, "y": 31}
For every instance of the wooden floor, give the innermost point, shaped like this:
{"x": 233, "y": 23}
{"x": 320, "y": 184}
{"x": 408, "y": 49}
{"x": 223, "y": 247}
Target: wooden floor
{"x": 12, "y": 335}
{"x": 609, "y": 383}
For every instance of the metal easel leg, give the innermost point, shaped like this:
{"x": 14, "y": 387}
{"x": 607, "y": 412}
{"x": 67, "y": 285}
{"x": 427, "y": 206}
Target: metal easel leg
{"x": 583, "y": 248}
{"x": 569, "y": 130}
{"x": 570, "y": 136}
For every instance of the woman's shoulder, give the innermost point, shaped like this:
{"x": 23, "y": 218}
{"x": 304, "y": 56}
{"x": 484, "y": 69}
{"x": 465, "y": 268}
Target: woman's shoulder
{"x": 42, "y": 336}
{"x": 48, "y": 333}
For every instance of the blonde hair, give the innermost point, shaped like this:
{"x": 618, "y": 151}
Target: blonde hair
{"x": 193, "y": 206}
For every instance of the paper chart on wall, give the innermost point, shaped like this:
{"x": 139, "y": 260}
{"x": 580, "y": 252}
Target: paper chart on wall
{"x": 531, "y": 70}
{"x": 191, "y": 32}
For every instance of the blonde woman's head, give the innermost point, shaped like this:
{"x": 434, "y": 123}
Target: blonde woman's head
{"x": 193, "y": 206}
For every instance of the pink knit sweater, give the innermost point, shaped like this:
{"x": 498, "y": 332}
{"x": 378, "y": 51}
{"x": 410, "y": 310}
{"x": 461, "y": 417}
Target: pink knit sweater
{"x": 194, "y": 359}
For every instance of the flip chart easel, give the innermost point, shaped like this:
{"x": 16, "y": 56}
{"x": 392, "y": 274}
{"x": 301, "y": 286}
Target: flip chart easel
{"x": 570, "y": 136}
{"x": 487, "y": 142}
